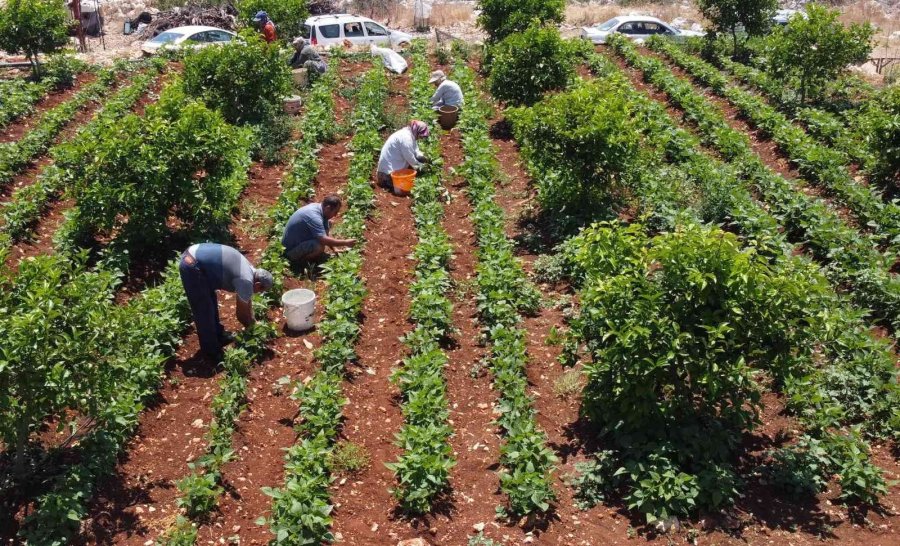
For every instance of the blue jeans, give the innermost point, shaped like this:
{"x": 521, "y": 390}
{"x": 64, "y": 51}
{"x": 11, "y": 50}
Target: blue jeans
{"x": 303, "y": 249}
{"x": 204, "y": 306}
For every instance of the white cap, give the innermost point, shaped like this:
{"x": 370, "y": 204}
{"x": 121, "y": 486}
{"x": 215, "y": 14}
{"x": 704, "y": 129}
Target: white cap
{"x": 437, "y": 76}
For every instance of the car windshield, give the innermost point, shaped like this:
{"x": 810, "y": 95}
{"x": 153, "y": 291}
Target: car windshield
{"x": 166, "y": 37}
{"x": 607, "y": 25}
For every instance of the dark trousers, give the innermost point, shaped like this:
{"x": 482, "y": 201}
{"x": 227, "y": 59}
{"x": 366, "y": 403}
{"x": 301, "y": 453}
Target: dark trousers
{"x": 204, "y": 305}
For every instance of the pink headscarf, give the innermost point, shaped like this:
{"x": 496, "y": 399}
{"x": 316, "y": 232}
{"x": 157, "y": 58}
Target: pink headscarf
{"x": 419, "y": 128}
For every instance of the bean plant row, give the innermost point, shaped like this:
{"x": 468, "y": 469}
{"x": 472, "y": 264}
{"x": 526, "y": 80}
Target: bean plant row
{"x": 17, "y": 155}
{"x": 423, "y": 467}
{"x": 819, "y": 164}
{"x": 852, "y": 258}
{"x": 28, "y": 203}
{"x": 504, "y": 294}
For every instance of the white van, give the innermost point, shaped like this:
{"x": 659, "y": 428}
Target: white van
{"x": 326, "y": 30}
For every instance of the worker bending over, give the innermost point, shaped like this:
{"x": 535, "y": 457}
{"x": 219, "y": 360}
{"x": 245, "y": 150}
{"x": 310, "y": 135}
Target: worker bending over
{"x": 265, "y": 25}
{"x": 401, "y": 151}
{"x": 208, "y": 267}
{"x": 305, "y": 56}
{"x": 306, "y": 233}
{"x": 448, "y": 92}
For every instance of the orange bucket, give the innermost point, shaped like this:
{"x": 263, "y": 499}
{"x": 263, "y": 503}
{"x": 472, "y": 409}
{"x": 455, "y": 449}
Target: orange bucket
{"x": 403, "y": 179}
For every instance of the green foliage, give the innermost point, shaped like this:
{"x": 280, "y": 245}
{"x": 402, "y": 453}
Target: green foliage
{"x": 53, "y": 357}
{"x": 527, "y": 64}
{"x": 882, "y": 123}
{"x": 287, "y": 15}
{"x": 504, "y": 293}
{"x": 33, "y": 27}
{"x": 179, "y": 157}
{"x": 348, "y": 458}
{"x": 16, "y": 155}
{"x": 590, "y": 134}
{"x": 200, "y": 493}
{"x": 501, "y": 18}
{"x": 817, "y": 48}
{"x": 245, "y": 79}
{"x": 672, "y": 337}
{"x": 60, "y": 70}
{"x": 730, "y": 16}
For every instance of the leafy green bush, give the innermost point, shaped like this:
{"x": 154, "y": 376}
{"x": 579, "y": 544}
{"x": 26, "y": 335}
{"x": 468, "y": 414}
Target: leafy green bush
{"x": 245, "y": 79}
{"x": 60, "y": 70}
{"x": 52, "y": 355}
{"x": 500, "y": 18}
{"x": 736, "y": 17}
{"x": 673, "y": 325}
{"x": 526, "y": 65}
{"x": 287, "y": 15}
{"x": 882, "y": 122}
{"x": 33, "y": 27}
{"x": 589, "y": 135}
{"x": 180, "y": 158}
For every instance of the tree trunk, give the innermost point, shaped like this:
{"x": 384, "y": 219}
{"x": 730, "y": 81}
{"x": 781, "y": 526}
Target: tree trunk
{"x": 21, "y": 442}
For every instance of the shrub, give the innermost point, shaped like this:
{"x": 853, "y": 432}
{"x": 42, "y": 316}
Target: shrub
{"x": 526, "y": 65}
{"x": 287, "y": 15}
{"x": 817, "y": 48}
{"x": 60, "y": 70}
{"x": 500, "y": 18}
{"x": 180, "y": 158}
{"x": 245, "y": 80}
{"x": 672, "y": 325}
{"x": 33, "y": 27}
{"x": 589, "y": 134}
{"x": 882, "y": 118}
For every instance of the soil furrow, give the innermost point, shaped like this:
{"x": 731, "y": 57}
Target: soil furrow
{"x": 476, "y": 446}
{"x": 364, "y": 508}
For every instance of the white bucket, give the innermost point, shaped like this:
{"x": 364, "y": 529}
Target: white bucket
{"x": 299, "y": 308}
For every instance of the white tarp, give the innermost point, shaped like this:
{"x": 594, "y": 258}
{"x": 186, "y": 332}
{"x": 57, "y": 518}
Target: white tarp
{"x": 391, "y": 59}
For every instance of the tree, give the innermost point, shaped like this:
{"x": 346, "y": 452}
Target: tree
{"x": 815, "y": 48}
{"x": 287, "y": 15}
{"x": 500, "y": 18}
{"x": 244, "y": 79}
{"x": 730, "y": 16}
{"x": 32, "y": 27}
{"x": 527, "y": 64}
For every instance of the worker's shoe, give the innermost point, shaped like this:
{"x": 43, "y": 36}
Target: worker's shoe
{"x": 226, "y": 337}
{"x": 214, "y": 358}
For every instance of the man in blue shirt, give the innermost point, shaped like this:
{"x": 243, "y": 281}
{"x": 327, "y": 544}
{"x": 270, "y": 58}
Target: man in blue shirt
{"x": 306, "y": 233}
{"x": 208, "y": 267}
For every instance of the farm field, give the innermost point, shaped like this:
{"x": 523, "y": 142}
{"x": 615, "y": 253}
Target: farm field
{"x": 645, "y": 295}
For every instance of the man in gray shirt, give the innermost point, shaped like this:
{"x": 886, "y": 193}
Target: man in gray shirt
{"x": 208, "y": 267}
{"x": 305, "y": 56}
{"x": 448, "y": 92}
{"x": 306, "y": 233}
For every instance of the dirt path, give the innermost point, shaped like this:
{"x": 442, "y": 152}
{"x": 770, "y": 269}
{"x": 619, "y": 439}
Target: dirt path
{"x": 363, "y": 505}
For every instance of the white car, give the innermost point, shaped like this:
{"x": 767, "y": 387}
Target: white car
{"x": 192, "y": 36}
{"x": 783, "y": 16}
{"x": 325, "y": 30}
{"x": 638, "y": 28}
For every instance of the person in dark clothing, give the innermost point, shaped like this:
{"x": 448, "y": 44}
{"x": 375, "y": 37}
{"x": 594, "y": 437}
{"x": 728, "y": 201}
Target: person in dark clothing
{"x": 306, "y": 233}
{"x": 305, "y": 56}
{"x": 208, "y": 267}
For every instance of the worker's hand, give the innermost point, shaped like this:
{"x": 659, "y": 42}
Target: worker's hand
{"x": 349, "y": 242}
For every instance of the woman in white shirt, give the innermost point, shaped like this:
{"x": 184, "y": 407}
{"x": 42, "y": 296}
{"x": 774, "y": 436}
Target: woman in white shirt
{"x": 401, "y": 151}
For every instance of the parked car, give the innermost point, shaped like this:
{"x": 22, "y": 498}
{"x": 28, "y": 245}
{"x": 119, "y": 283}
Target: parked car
{"x": 783, "y": 16}
{"x": 191, "y": 36}
{"x": 334, "y": 29}
{"x": 638, "y": 28}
